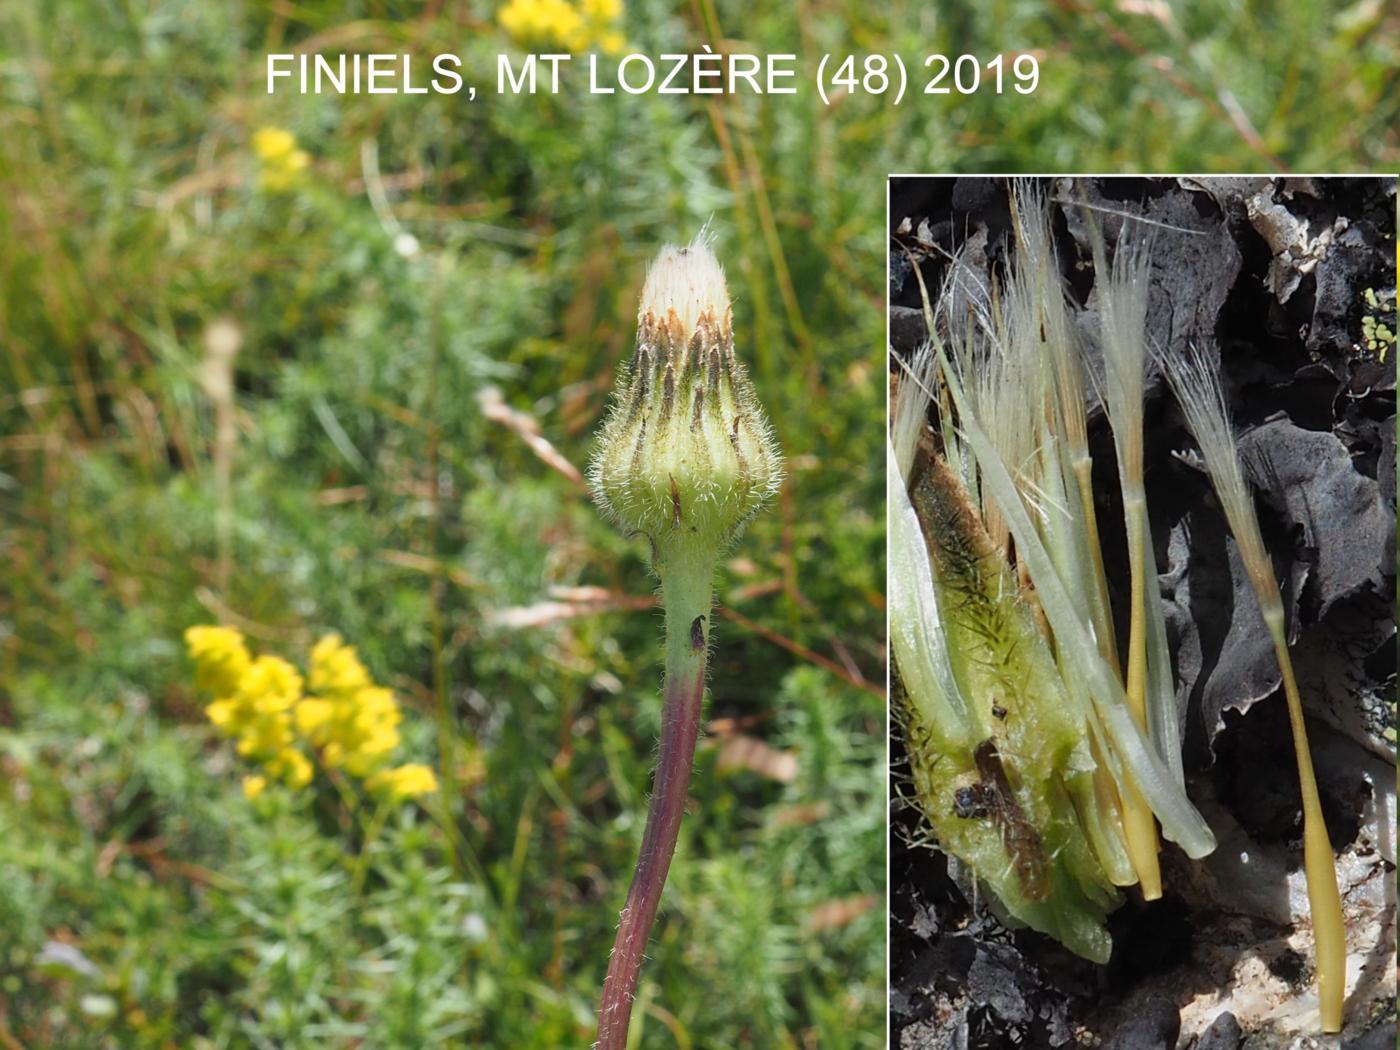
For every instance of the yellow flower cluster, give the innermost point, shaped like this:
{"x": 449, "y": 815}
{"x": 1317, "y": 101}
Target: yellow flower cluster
{"x": 277, "y": 719}
{"x": 407, "y": 781}
{"x": 353, "y": 722}
{"x": 576, "y": 26}
{"x": 280, "y": 162}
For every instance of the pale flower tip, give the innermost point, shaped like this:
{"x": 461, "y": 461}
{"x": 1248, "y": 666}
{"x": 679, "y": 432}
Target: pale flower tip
{"x": 687, "y": 282}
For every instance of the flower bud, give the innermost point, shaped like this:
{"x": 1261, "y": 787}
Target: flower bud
{"x": 686, "y": 455}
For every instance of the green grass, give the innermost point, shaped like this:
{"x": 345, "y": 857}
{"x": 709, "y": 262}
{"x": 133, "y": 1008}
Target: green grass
{"x": 371, "y": 496}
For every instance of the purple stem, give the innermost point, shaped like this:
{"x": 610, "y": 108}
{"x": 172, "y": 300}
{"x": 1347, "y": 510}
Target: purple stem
{"x": 680, "y": 726}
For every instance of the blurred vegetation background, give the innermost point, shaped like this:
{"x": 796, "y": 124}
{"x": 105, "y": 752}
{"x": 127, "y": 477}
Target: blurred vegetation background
{"x": 312, "y": 364}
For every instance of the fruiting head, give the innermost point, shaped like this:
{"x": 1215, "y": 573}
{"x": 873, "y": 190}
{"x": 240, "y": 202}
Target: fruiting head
{"x": 686, "y": 456}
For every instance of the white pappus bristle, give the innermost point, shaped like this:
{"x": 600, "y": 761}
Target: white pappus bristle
{"x": 687, "y": 282}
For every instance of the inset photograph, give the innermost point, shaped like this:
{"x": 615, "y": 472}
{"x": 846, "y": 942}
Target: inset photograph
{"x": 1142, "y": 611}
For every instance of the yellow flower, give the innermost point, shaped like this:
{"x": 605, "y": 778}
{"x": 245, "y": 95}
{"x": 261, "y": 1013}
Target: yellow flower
{"x": 577, "y": 28}
{"x": 258, "y": 712}
{"x": 407, "y": 781}
{"x": 222, "y": 713}
{"x": 220, "y": 658}
{"x": 335, "y": 668}
{"x": 260, "y": 703}
{"x": 353, "y": 721}
{"x": 602, "y": 19}
{"x": 291, "y": 766}
{"x": 273, "y": 144}
{"x": 363, "y": 730}
{"x": 271, "y": 684}
{"x": 535, "y": 20}
{"x": 601, "y": 10}
{"x": 265, "y": 734}
{"x": 279, "y": 161}
{"x": 313, "y": 717}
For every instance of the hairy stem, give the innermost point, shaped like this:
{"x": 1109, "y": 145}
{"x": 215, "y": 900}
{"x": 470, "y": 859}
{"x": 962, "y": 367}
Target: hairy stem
{"x": 686, "y": 591}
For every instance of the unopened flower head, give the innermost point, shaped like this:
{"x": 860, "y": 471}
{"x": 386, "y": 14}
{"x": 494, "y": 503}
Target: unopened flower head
{"x": 687, "y": 455}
